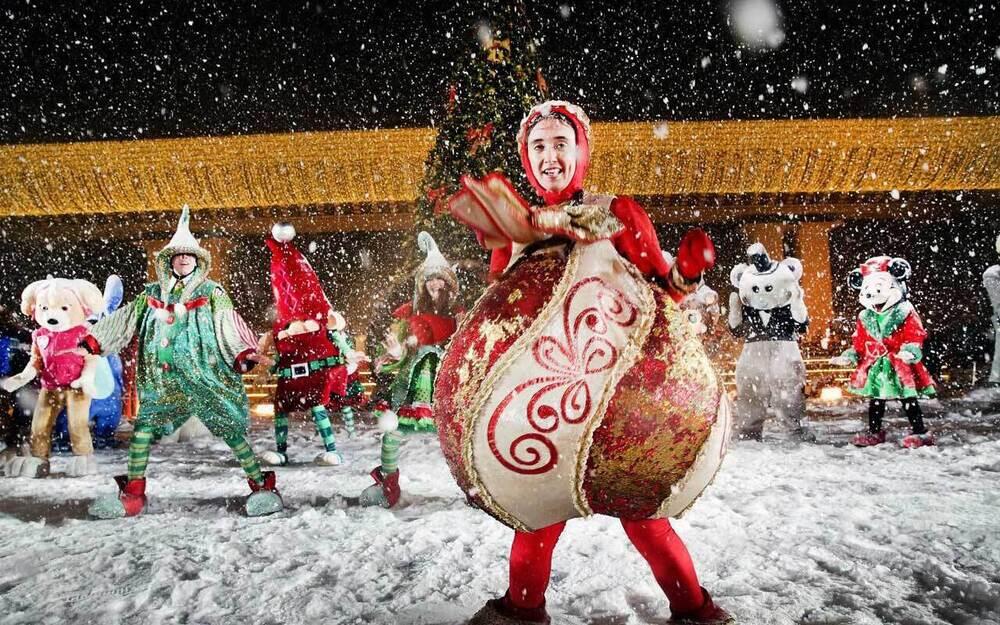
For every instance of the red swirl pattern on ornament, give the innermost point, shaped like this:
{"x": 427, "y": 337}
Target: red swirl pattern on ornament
{"x": 582, "y": 350}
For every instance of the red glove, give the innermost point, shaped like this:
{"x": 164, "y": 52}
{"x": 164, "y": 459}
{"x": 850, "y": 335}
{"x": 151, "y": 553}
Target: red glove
{"x": 695, "y": 254}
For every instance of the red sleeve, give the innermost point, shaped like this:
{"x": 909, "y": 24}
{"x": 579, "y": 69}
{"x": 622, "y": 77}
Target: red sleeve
{"x": 913, "y": 331}
{"x": 499, "y": 259}
{"x": 404, "y": 311}
{"x": 637, "y": 241}
{"x": 431, "y": 329}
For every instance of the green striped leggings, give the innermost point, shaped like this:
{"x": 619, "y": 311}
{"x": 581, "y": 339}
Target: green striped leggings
{"x": 142, "y": 437}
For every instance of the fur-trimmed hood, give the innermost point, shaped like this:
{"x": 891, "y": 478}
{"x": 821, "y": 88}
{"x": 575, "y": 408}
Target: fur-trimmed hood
{"x": 183, "y": 242}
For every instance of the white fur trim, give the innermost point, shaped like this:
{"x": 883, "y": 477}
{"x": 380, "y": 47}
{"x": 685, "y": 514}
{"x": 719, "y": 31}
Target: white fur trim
{"x": 388, "y": 421}
{"x": 283, "y": 232}
{"x": 161, "y": 314}
{"x": 337, "y": 320}
{"x": 180, "y": 310}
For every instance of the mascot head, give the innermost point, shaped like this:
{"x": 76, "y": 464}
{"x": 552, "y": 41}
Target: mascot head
{"x": 763, "y": 283}
{"x": 881, "y": 282}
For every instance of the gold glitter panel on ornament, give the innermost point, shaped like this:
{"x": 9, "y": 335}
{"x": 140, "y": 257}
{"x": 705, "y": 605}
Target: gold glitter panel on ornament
{"x": 654, "y": 441}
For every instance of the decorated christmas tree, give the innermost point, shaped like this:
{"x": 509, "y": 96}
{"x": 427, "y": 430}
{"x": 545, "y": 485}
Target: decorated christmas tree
{"x": 496, "y": 80}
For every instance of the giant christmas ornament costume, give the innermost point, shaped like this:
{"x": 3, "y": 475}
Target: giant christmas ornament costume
{"x": 768, "y": 311}
{"x": 576, "y": 386}
{"x": 310, "y": 366}
{"x": 414, "y": 346}
{"x": 887, "y": 350}
{"x": 193, "y": 348}
{"x": 991, "y": 282}
{"x": 60, "y": 307}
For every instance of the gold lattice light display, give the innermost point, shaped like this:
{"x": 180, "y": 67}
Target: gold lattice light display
{"x": 369, "y": 166}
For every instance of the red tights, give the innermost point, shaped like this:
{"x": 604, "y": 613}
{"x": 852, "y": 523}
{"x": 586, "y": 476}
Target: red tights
{"x": 531, "y": 563}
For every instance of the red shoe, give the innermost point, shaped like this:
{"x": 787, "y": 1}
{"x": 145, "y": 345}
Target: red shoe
{"x": 270, "y": 483}
{"x": 389, "y": 484}
{"x": 264, "y": 498}
{"x": 502, "y": 612}
{"x": 132, "y": 494}
{"x": 867, "y": 439}
{"x": 707, "y": 614}
{"x": 384, "y": 492}
{"x": 917, "y": 440}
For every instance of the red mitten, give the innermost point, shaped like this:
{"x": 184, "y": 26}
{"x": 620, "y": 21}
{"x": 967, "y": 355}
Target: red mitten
{"x": 695, "y": 255}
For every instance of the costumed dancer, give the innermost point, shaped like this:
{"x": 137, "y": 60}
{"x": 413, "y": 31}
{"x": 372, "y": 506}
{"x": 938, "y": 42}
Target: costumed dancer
{"x": 768, "y": 311}
{"x": 60, "y": 307}
{"x": 193, "y": 348}
{"x": 887, "y": 349}
{"x": 414, "y": 345}
{"x": 576, "y": 386}
{"x": 310, "y": 366}
{"x": 991, "y": 282}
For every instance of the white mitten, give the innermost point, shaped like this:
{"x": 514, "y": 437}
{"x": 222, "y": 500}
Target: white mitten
{"x": 87, "y": 382}
{"x": 841, "y": 361}
{"x": 15, "y": 382}
{"x": 906, "y": 356}
{"x": 735, "y": 310}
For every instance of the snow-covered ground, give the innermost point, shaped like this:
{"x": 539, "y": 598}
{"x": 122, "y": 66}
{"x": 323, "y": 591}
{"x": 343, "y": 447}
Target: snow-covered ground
{"x": 788, "y": 533}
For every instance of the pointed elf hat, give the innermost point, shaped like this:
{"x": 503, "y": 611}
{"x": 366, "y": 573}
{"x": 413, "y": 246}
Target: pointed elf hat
{"x": 435, "y": 265}
{"x": 297, "y": 291}
{"x": 183, "y": 242}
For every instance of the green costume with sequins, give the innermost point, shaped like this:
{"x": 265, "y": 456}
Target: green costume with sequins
{"x": 185, "y": 365}
{"x": 193, "y": 347}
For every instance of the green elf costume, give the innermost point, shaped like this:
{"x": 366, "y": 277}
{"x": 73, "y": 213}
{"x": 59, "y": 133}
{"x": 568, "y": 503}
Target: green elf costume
{"x": 414, "y": 347}
{"x": 192, "y": 349}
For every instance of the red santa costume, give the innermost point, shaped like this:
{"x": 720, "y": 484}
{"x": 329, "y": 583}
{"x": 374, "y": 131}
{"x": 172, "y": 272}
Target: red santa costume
{"x": 575, "y": 378}
{"x": 309, "y": 366}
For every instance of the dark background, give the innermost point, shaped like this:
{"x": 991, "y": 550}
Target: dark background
{"x": 113, "y": 69}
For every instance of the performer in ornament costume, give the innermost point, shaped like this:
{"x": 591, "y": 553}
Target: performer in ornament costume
{"x": 991, "y": 282}
{"x": 887, "y": 349}
{"x": 576, "y": 386}
{"x": 310, "y": 366}
{"x": 193, "y": 348}
{"x": 414, "y": 345}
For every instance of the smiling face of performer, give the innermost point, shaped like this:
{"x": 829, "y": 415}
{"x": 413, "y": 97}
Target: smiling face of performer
{"x": 554, "y": 142}
{"x": 183, "y": 264}
{"x": 552, "y": 152}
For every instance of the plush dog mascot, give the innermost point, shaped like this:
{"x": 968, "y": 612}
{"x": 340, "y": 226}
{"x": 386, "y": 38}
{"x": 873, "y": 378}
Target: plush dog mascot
{"x": 60, "y": 307}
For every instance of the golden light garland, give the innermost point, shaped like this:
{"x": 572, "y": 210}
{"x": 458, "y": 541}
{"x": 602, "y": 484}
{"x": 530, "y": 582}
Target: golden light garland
{"x": 369, "y": 166}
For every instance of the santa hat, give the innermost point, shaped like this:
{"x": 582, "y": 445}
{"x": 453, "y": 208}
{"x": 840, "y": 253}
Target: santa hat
{"x": 435, "y": 265}
{"x": 875, "y": 265}
{"x": 557, "y": 109}
{"x": 298, "y": 293}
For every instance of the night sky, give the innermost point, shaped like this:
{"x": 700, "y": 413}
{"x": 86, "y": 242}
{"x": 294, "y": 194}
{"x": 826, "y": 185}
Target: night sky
{"x": 103, "y": 70}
